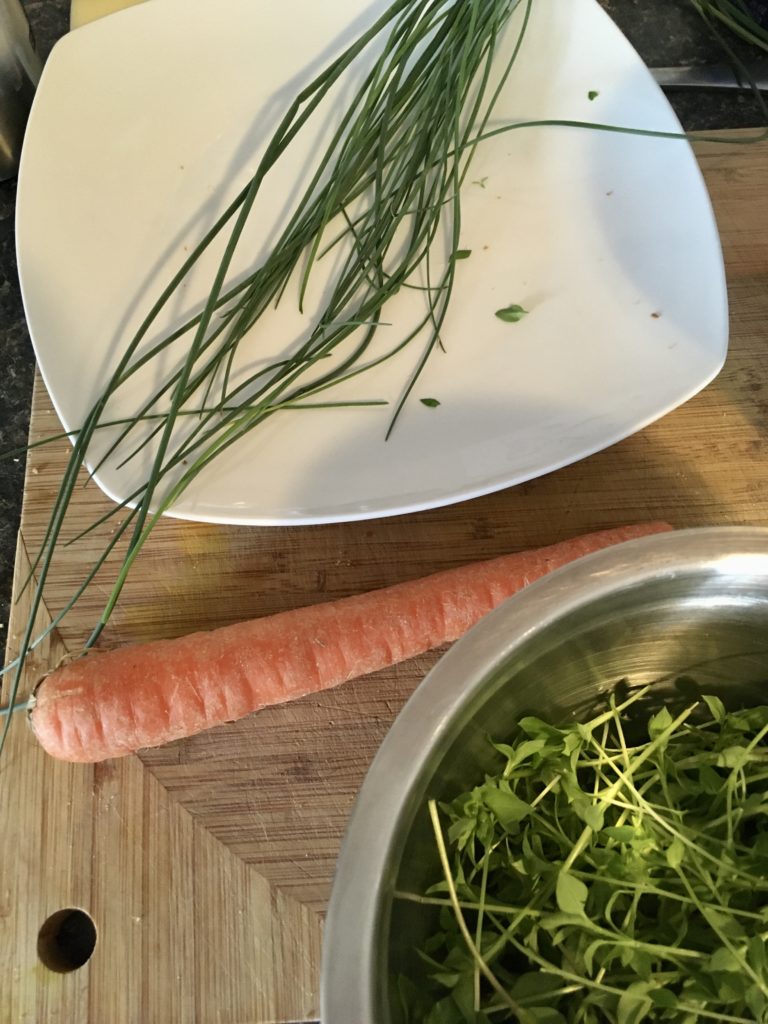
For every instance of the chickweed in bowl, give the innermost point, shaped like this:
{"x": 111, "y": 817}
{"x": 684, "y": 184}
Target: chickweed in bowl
{"x": 606, "y": 871}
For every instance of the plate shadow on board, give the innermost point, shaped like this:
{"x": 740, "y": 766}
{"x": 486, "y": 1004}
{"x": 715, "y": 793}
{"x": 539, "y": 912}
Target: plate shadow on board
{"x": 281, "y": 567}
{"x": 540, "y": 511}
{"x": 424, "y": 479}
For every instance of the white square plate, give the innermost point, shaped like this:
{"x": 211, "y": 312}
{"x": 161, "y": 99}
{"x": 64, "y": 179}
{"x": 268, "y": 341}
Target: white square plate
{"x": 148, "y": 122}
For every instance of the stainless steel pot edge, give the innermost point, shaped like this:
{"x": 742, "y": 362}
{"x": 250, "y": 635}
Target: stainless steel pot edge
{"x": 348, "y": 994}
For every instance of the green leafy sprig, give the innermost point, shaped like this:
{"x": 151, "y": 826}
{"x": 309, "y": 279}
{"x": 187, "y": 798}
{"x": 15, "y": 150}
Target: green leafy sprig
{"x": 605, "y": 875}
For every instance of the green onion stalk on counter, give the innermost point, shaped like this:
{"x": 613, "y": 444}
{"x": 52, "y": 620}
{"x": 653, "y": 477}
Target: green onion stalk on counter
{"x": 385, "y": 192}
{"x": 747, "y": 19}
{"x": 383, "y": 200}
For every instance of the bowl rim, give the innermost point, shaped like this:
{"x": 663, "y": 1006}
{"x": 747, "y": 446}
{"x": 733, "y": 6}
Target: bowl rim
{"x": 347, "y": 985}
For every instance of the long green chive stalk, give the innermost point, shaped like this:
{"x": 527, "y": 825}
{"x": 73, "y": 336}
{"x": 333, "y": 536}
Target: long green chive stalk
{"x": 384, "y": 196}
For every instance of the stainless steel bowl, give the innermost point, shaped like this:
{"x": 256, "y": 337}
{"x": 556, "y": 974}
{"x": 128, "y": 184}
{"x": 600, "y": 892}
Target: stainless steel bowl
{"x": 691, "y": 604}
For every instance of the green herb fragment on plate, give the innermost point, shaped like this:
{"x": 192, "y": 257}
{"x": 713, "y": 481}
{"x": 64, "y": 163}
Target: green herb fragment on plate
{"x": 608, "y": 871}
{"x": 431, "y": 403}
{"x": 511, "y": 314}
{"x": 592, "y": 94}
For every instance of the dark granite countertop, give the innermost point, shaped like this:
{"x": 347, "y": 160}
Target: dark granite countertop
{"x": 49, "y": 20}
{"x": 665, "y": 32}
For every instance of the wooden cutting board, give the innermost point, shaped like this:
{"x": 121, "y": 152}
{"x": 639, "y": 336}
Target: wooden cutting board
{"x": 206, "y": 865}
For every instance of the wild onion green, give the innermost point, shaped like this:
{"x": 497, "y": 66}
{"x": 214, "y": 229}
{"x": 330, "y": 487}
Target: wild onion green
{"x": 611, "y": 870}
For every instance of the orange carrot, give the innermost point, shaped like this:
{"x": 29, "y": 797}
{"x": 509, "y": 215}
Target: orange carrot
{"x": 109, "y": 704}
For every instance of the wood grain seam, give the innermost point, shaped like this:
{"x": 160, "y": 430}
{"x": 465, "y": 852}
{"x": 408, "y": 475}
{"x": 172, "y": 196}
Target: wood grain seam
{"x": 17, "y": 620}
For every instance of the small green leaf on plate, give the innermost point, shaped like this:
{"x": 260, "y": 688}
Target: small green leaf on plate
{"x": 431, "y": 403}
{"x": 511, "y": 314}
{"x": 592, "y": 94}
{"x": 462, "y": 254}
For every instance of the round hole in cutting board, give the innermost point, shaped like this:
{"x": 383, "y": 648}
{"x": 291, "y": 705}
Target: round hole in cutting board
{"x": 66, "y": 940}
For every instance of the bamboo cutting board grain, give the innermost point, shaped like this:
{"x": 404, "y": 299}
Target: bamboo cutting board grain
{"x": 206, "y": 865}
